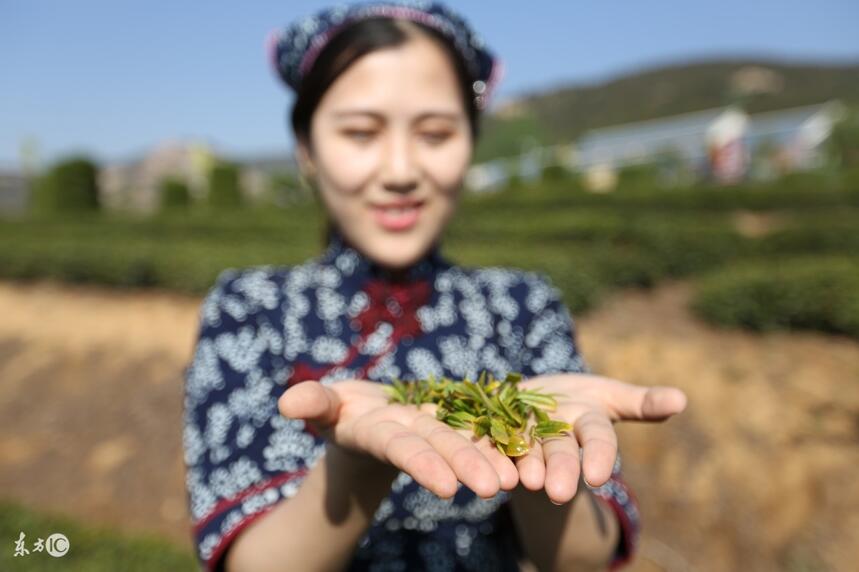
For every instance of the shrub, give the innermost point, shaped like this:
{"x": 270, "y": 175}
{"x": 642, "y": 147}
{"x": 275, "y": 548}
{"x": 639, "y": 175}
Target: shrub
{"x": 639, "y": 176}
{"x": 843, "y": 144}
{"x": 70, "y": 185}
{"x": 686, "y": 247}
{"x": 832, "y": 233}
{"x": 224, "y": 189}
{"x": 819, "y": 294}
{"x": 284, "y": 189}
{"x": 174, "y": 194}
{"x": 556, "y": 173}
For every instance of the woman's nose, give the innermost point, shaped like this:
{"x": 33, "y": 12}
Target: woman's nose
{"x": 399, "y": 172}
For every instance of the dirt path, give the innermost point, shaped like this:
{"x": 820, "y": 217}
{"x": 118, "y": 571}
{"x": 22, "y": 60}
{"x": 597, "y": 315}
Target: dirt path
{"x": 759, "y": 473}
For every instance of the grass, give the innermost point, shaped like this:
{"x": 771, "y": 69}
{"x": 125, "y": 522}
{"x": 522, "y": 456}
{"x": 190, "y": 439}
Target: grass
{"x": 92, "y": 549}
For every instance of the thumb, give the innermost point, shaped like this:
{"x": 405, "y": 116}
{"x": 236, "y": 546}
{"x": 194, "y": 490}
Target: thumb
{"x": 640, "y": 403}
{"x": 310, "y": 401}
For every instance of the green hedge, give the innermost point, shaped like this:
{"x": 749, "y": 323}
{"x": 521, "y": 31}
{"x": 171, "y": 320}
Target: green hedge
{"x": 174, "y": 195}
{"x": 177, "y": 252}
{"x": 836, "y": 232}
{"x": 810, "y": 190}
{"x": 71, "y": 185}
{"x": 225, "y": 190}
{"x": 802, "y": 293}
{"x": 586, "y": 250}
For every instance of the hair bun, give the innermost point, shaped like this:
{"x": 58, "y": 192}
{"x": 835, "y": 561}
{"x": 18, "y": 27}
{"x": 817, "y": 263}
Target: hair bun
{"x": 293, "y": 49}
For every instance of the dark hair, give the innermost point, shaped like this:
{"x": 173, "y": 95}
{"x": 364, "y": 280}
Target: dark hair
{"x": 356, "y": 41}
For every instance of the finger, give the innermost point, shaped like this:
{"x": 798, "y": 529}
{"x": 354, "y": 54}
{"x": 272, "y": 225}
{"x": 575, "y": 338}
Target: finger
{"x": 599, "y": 444}
{"x": 637, "y": 403}
{"x": 311, "y": 401}
{"x": 562, "y": 468}
{"x": 508, "y": 474}
{"x": 383, "y": 435}
{"x": 402, "y": 447}
{"x": 503, "y": 465}
{"x": 470, "y": 465}
{"x": 532, "y": 467}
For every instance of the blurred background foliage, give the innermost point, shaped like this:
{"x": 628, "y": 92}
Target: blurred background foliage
{"x": 94, "y": 549}
{"x": 589, "y": 243}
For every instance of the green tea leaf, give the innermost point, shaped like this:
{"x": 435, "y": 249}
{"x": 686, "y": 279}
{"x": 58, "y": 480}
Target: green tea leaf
{"x": 500, "y": 448}
{"x": 488, "y": 406}
{"x": 552, "y": 429}
{"x": 466, "y": 389}
{"x": 517, "y": 446}
{"x": 488, "y": 402}
{"x": 481, "y": 426}
{"x": 499, "y": 431}
{"x": 461, "y": 405}
{"x": 542, "y": 416}
{"x": 513, "y": 378}
{"x": 459, "y": 420}
{"x": 464, "y": 415}
{"x": 394, "y": 394}
{"x": 401, "y": 389}
{"x": 507, "y": 408}
{"x": 535, "y": 399}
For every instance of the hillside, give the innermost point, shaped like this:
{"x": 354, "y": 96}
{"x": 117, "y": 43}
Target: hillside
{"x": 564, "y": 113}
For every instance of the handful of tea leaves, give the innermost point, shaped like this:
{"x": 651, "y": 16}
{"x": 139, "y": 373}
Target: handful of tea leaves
{"x": 488, "y": 406}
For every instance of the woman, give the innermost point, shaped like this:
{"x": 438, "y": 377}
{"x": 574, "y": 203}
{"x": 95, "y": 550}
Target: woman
{"x": 386, "y": 119}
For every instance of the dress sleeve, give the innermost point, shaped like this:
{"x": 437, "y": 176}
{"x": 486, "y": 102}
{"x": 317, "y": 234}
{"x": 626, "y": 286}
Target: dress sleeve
{"x": 550, "y": 346}
{"x": 241, "y": 456}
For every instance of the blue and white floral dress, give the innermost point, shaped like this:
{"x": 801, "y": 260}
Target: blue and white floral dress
{"x": 340, "y": 316}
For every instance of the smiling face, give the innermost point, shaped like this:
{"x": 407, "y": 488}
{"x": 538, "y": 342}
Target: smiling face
{"x": 391, "y": 143}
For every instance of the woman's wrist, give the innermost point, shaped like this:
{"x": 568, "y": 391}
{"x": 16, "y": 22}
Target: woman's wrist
{"x": 581, "y": 534}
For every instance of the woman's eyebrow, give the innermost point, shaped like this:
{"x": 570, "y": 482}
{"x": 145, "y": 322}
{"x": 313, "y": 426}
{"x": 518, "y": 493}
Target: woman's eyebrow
{"x": 452, "y": 115}
{"x": 353, "y": 112}
{"x": 443, "y": 114}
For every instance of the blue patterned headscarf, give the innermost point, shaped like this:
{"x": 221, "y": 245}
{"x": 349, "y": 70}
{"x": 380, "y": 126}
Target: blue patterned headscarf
{"x": 293, "y": 49}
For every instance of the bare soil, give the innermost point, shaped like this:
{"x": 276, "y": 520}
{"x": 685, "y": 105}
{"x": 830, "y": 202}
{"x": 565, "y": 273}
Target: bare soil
{"x": 759, "y": 473}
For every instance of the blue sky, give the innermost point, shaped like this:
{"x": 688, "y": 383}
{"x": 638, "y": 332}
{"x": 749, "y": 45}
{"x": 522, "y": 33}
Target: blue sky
{"x": 113, "y": 78}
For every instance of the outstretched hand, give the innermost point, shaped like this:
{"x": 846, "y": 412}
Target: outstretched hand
{"x": 590, "y": 404}
{"x": 356, "y": 415}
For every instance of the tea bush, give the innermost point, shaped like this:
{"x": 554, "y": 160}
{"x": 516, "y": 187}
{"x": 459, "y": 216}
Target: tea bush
{"x": 801, "y": 293}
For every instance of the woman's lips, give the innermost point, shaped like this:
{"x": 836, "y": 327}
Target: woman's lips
{"x": 397, "y": 217}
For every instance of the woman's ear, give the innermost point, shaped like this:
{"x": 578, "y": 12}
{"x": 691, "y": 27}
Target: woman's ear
{"x": 304, "y": 159}
{"x": 306, "y": 166}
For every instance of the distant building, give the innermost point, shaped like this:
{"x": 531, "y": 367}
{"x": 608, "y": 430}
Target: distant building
{"x": 793, "y": 137}
{"x": 720, "y": 143}
{"x": 258, "y": 172}
{"x": 135, "y": 185}
{"x": 685, "y": 135}
{"x": 14, "y": 192}
{"x": 725, "y": 144}
{"x": 487, "y": 176}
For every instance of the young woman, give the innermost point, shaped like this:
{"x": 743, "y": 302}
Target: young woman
{"x": 284, "y": 475}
